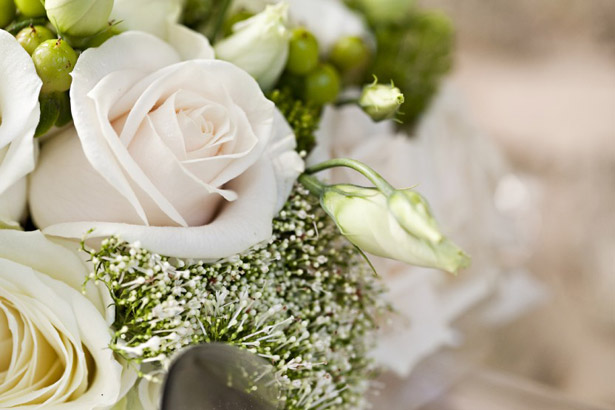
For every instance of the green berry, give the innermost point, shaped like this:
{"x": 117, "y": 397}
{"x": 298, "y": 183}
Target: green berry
{"x": 31, "y": 37}
{"x": 349, "y": 53}
{"x": 302, "y": 52}
{"x": 30, "y": 8}
{"x": 322, "y": 85}
{"x": 7, "y": 12}
{"x": 54, "y": 60}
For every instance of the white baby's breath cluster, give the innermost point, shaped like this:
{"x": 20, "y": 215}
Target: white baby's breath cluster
{"x": 305, "y": 301}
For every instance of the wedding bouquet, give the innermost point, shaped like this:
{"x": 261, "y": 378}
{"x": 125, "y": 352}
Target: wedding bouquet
{"x": 180, "y": 195}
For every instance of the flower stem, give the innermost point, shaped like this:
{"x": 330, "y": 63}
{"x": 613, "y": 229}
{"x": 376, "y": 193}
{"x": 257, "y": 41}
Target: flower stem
{"x": 366, "y": 171}
{"x": 220, "y": 17}
{"x": 312, "y": 184}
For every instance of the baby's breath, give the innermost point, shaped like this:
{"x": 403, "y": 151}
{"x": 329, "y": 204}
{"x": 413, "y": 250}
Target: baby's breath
{"x": 304, "y": 301}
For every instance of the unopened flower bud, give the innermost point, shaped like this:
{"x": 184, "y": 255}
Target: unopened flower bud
{"x": 399, "y": 228}
{"x": 259, "y": 45}
{"x": 79, "y": 18}
{"x": 380, "y": 101}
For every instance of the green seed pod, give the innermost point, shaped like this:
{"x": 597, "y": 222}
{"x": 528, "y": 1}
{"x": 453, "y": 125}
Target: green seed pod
{"x": 32, "y": 37}
{"x": 7, "y": 12}
{"x": 54, "y": 60}
{"x": 30, "y": 8}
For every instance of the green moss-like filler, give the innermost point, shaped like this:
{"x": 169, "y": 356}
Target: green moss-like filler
{"x": 302, "y": 116}
{"x": 415, "y": 52}
{"x": 305, "y": 301}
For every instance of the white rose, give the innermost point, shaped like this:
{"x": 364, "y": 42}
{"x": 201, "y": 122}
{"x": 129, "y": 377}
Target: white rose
{"x": 54, "y": 340}
{"x": 456, "y": 170}
{"x": 19, "y": 114}
{"x": 188, "y": 157}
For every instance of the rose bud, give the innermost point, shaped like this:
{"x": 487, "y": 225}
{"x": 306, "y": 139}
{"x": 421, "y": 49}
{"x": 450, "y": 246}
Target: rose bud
{"x": 381, "y": 102}
{"x": 259, "y": 45}
{"x": 79, "y": 18}
{"x": 406, "y": 232}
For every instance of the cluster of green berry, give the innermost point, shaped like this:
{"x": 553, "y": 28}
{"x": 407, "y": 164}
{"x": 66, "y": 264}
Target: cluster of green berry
{"x": 319, "y": 80}
{"x": 54, "y": 55}
{"x": 305, "y": 301}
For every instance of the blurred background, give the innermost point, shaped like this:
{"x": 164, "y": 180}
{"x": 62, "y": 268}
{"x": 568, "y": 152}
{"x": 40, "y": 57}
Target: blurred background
{"x": 538, "y": 77}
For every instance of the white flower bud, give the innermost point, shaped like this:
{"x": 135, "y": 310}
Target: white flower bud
{"x": 79, "y": 18}
{"x": 405, "y": 232}
{"x": 259, "y": 45}
{"x": 381, "y": 102}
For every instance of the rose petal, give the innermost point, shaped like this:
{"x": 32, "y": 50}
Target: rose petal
{"x": 286, "y": 161}
{"x": 152, "y": 16}
{"x": 196, "y": 201}
{"x": 19, "y": 111}
{"x": 189, "y": 44}
{"x": 127, "y": 51}
{"x": 13, "y": 204}
{"x": 61, "y": 317}
{"x": 57, "y": 260}
{"x": 82, "y": 195}
{"x": 235, "y": 229}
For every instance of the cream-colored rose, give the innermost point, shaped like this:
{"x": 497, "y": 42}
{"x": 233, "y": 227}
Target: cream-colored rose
{"x": 54, "y": 340}
{"x": 19, "y": 114}
{"x": 187, "y": 157}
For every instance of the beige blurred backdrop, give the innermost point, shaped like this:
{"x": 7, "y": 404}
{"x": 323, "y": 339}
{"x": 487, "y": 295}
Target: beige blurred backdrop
{"x": 539, "y": 79}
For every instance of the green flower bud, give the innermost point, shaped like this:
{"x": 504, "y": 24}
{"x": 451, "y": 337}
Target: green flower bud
{"x": 54, "y": 61}
{"x": 30, "y": 8}
{"x": 259, "y": 45}
{"x": 7, "y": 12}
{"x": 404, "y": 231}
{"x": 32, "y": 37}
{"x": 80, "y": 18}
{"x": 381, "y": 102}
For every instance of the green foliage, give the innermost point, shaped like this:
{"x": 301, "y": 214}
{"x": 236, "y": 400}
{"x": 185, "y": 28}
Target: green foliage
{"x": 302, "y": 116}
{"x": 196, "y": 12}
{"x": 305, "y": 301}
{"x": 415, "y": 53}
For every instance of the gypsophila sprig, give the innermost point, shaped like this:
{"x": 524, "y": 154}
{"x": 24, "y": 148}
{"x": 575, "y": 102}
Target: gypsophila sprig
{"x": 305, "y": 301}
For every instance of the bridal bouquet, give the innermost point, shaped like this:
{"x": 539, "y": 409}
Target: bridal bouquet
{"x": 168, "y": 154}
